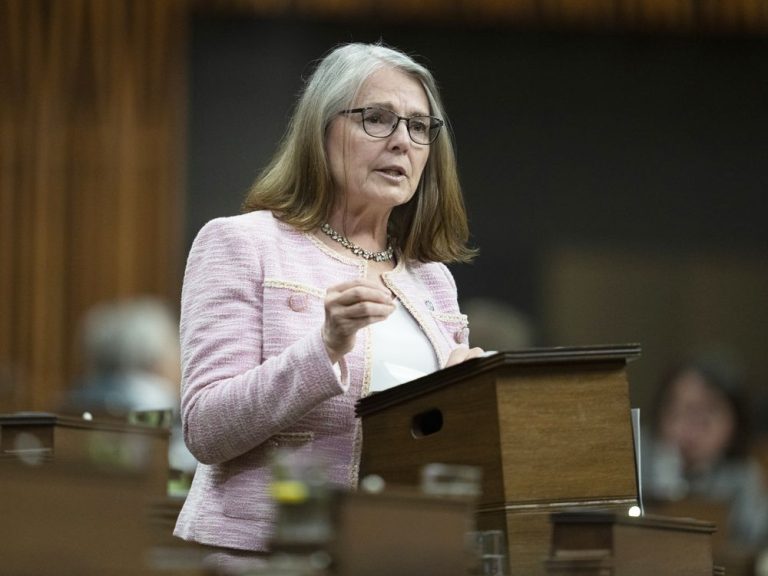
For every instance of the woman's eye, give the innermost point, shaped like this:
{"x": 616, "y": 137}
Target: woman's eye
{"x": 373, "y": 117}
{"x": 419, "y": 125}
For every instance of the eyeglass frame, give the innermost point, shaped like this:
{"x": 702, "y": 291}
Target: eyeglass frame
{"x": 435, "y": 122}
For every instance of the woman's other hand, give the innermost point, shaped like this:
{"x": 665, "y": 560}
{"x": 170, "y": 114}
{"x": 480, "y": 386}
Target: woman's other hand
{"x": 350, "y": 306}
{"x": 463, "y": 353}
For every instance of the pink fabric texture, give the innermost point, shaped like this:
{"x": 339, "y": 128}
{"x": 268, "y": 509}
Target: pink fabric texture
{"x": 256, "y": 375}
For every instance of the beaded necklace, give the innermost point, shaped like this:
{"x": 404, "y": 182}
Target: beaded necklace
{"x": 383, "y": 256}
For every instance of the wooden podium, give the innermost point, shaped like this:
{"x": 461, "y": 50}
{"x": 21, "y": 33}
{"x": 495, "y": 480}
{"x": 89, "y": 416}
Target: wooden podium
{"x": 550, "y": 428}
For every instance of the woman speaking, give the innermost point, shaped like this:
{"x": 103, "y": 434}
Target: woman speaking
{"x": 330, "y": 286}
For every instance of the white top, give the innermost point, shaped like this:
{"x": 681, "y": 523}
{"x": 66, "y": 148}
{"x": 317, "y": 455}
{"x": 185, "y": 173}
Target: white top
{"x": 401, "y": 350}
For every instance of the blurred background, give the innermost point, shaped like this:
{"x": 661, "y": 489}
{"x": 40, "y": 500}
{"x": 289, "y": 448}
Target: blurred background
{"x": 612, "y": 153}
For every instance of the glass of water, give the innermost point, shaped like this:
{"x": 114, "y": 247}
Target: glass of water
{"x": 489, "y": 547}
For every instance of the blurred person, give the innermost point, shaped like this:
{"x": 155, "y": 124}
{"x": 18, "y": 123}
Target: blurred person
{"x": 331, "y": 285}
{"x": 131, "y": 364}
{"x": 700, "y": 448}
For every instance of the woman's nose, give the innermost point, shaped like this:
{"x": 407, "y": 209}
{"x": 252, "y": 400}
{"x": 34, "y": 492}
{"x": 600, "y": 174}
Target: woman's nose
{"x": 400, "y": 137}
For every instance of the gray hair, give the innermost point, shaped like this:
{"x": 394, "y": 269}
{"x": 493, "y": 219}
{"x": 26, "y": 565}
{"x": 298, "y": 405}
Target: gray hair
{"x": 297, "y": 185}
{"x": 340, "y": 75}
{"x": 127, "y": 336}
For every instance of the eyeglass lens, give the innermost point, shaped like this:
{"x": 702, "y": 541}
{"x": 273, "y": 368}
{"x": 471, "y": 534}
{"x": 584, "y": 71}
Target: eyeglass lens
{"x": 380, "y": 123}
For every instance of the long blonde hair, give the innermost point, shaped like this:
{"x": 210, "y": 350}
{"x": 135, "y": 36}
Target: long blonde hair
{"x": 297, "y": 185}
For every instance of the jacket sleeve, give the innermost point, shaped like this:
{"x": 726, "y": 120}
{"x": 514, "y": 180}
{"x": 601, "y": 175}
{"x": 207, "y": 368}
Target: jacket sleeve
{"x": 232, "y": 400}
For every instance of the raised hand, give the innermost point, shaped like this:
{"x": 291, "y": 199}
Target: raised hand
{"x": 350, "y": 306}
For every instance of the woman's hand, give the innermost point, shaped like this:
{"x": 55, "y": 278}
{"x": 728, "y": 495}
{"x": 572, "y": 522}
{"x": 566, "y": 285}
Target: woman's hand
{"x": 350, "y": 306}
{"x": 463, "y": 353}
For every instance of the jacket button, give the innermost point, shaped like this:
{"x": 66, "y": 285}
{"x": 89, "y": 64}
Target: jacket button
{"x": 298, "y": 302}
{"x": 461, "y": 335}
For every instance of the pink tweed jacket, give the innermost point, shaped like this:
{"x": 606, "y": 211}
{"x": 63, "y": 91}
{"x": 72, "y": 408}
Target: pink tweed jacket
{"x": 256, "y": 375}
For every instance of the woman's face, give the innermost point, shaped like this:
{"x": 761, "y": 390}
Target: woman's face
{"x": 697, "y": 420}
{"x": 381, "y": 172}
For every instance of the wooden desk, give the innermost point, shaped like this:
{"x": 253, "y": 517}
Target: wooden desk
{"x": 635, "y": 546}
{"x": 736, "y": 560}
{"x": 40, "y": 437}
{"x": 400, "y": 534}
{"x": 66, "y": 520}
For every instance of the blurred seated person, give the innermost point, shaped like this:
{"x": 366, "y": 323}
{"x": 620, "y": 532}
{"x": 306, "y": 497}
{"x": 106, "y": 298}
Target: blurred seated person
{"x": 699, "y": 451}
{"x": 131, "y": 358}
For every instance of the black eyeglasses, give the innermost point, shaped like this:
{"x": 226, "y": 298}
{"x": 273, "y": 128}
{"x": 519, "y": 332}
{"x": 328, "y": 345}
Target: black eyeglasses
{"x": 382, "y": 123}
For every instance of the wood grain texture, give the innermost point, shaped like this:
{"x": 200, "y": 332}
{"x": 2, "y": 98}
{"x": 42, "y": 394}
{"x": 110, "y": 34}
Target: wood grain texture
{"x": 551, "y": 433}
{"x": 91, "y": 143}
{"x": 530, "y": 538}
{"x": 552, "y": 428}
{"x": 677, "y": 15}
{"x": 566, "y": 433}
{"x": 105, "y": 445}
{"x": 67, "y": 520}
{"x": 639, "y": 546}
{"x": 470, "y": 435}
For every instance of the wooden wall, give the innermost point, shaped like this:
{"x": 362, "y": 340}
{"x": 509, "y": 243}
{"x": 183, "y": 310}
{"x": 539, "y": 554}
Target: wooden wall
{"x": 92, "y": 104}
{"x": 675, "y": 15}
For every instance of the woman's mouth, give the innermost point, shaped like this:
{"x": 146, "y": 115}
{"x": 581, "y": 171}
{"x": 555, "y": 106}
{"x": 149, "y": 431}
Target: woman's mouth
{"x": 392, "y": 173}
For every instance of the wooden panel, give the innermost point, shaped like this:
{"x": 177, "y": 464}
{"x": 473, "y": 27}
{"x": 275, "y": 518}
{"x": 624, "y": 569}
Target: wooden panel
{"x": 591, "y": 563}
{"x": 567, "y": 433}
{"x": 711, "y": 511}
{"x": 79, "y": 520}
{"x": 530, "y": 536}
{"x": 45, "y": 438}
{"x": 469, "y": 435}
{"x": 91, "y": 141}
{"x": 638, "y": 546}
{"x": 60, "y": 520}
{"x": 401, "y": 533}
{"x": 564, "y": 437}
{"x": 737, "y": 560}
{"x": 554, "y": 421}
{"x": 686, "y": 15}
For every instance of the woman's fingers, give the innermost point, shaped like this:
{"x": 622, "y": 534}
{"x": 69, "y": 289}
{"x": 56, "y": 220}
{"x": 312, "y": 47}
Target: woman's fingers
{"x": 362, "y": 290}
{"x": 462, "y": 353}
{"x": 355, "y": 304}
{"x": 350, "y": 306}
{"x": 358, "y": 300}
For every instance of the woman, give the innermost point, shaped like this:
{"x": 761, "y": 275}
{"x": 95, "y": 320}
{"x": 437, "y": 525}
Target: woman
{"x": 701, "y": 449}
{"x": 330, "y": 286}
